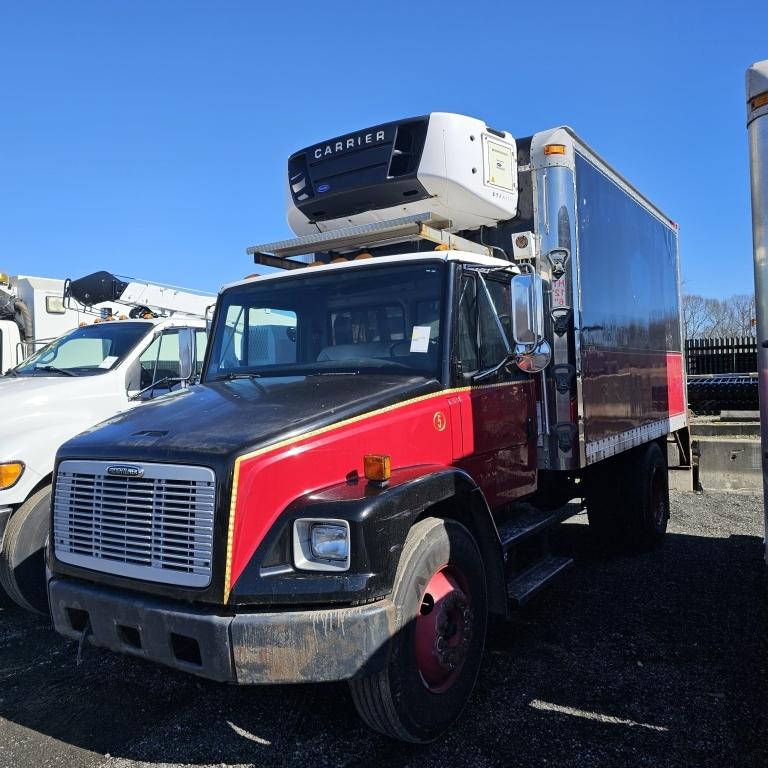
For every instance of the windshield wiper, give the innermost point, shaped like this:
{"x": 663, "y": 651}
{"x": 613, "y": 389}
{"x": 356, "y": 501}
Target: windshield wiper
{"x": 54, "y": 369}
{"x": 11, "y": 372}
{"x": 237, "y": 375}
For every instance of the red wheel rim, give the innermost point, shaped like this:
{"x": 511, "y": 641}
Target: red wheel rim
{"x": 443, "y": 629}
{"x": 657, "y": 499}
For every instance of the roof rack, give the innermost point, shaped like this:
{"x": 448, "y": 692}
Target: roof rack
{"x": 423, "y": 226}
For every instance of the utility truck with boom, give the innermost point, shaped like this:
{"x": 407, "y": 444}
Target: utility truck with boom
{"x": 145, "y": 340}
{"x": 488, "y": 327}
{"x": 32, "y": 313}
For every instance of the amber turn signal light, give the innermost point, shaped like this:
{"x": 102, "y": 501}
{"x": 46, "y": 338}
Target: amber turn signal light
{"x": 377, "y": 467}
{"x": 554, "y": 149}
{"x": 10, "y": 474}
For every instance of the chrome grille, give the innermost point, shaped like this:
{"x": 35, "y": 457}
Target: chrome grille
{"x": 156, "y": 527}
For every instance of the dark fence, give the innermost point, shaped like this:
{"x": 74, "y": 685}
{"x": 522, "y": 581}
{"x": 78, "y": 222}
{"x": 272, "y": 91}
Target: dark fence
{"x": 717, "y": 356}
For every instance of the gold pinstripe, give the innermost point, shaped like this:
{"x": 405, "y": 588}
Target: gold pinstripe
{"x": 315, "y": 433}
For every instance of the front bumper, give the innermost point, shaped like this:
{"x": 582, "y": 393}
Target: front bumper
{"x": 246, "y": 648}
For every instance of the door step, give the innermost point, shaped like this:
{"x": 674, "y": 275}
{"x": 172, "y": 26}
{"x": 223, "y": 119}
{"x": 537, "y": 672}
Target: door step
{"x": 532, "y": 521}
{"x": 523, "y": 586}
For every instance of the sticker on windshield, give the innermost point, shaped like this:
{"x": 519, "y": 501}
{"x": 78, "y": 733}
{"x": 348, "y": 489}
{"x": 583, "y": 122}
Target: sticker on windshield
{"x": 107, "y": 362}
{"x": 420, "y": 338}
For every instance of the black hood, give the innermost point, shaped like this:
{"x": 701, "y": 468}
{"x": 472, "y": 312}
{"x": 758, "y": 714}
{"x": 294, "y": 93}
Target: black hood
{"x": 213, "y": 423}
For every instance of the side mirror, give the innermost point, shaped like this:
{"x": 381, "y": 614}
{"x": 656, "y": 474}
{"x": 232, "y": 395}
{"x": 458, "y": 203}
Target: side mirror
{"x": 533, "y": 360}
{"x": 186, "y": 353}
{"x": 527, "y": 310}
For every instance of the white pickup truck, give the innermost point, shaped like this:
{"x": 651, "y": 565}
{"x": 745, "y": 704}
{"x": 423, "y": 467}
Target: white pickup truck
{"x": 87, "y": 375}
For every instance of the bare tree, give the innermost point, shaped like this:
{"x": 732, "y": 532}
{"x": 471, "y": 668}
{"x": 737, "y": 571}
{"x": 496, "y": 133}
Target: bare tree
{"x": 742, "y": 310}
{"x": 695, "y": 316}
{"x": 720, "y": 319}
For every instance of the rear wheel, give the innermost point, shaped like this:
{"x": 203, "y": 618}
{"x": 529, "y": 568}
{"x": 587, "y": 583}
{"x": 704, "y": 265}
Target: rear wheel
{"x": 628, "y": 499}
{"x": 647, "y": 511}
{"x": 22, "y": 559}
{"x": 441, "y": 608}
{"x": 605, "y": 503}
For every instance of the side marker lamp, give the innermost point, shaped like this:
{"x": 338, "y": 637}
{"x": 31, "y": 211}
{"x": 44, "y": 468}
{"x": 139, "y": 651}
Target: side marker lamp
{"x": 554, "y": 149}
{"x": 378, "y": 467}
{"x": 10, "y": 472}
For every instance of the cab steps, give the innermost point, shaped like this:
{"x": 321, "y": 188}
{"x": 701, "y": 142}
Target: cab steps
{"x": 532, "y": 522}
{"x": 528, "y": 560}
{"x": 523, "y": 586}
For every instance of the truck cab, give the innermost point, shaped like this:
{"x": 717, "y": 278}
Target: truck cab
{"x": 85, "y": 376}
{"x": 387, "y": 428}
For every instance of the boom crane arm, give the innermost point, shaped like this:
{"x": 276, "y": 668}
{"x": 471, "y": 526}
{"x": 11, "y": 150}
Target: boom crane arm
{"x": 104, "y": 287}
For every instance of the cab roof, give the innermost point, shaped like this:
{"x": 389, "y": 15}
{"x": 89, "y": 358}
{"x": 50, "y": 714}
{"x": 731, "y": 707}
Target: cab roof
{"x": 464, "y": 257}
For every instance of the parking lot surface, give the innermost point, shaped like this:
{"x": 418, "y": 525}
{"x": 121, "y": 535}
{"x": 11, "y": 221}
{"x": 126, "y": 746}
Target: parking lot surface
{"x": 659, "y": 659}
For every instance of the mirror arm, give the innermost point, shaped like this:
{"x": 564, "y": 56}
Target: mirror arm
{"x": 491, "y": 371}
{"x": 155, "y": 384}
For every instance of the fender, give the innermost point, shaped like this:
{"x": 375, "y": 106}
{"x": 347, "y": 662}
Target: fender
{"x": 379, "y": 519}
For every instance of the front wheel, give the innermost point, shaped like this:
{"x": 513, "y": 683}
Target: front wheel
{"x": 22, "y": 559}
{"x": 441, "y": 603}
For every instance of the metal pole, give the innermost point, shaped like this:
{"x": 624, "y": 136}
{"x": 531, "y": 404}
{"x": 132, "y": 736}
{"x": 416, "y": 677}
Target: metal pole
{"x": 757, "y": 127}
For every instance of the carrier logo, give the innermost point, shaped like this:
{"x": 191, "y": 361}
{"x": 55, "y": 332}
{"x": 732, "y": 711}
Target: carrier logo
{"x": 351, "y": 142}
{"x": 123, "y": 470}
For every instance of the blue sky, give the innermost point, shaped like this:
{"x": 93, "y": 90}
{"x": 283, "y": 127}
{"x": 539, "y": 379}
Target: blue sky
{"x": 150, "y": 138}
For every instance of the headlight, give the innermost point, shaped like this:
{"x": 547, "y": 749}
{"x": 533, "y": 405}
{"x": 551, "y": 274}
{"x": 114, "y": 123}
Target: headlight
{"x": 10, "y": 472}
{"x": 330, "y": 541}
{"x": 321, "y": 545}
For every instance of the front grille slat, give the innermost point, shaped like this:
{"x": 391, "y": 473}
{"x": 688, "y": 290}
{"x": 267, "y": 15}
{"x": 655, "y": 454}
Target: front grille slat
{"x": 158, "y": 527}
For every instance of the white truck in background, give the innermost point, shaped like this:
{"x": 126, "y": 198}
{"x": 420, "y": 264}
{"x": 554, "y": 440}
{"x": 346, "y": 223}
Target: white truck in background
{"x": 140, "y": 340}
{"x": 32, "y": 312}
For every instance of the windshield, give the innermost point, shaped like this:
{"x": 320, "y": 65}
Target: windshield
{"x": 86, "y": 351}
{"x": 359, "y": 320}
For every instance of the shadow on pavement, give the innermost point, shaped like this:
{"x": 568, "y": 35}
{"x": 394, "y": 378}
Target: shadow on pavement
{"x": 656, "y": 659}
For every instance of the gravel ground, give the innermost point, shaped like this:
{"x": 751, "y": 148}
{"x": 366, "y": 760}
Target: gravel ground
{"x": 659, "y": 659}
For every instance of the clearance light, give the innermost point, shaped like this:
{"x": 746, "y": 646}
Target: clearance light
{"x": 442, "y": 247}
{"x": 378, "y": 467}
{"x": 554, "y": 149}
{"x": 10, "y": 474}
{"x": 363, "y": 255}
{"x": 338, "y": 260}
{"x": 316, "y": 264}
{"x": 759, "y": 101}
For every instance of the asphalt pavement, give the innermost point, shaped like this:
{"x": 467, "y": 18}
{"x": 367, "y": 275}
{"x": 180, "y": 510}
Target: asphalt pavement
{"x": 658, "y": 659}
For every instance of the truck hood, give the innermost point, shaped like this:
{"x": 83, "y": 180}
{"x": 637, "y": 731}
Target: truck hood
{"x": 34, "y": 391}
{"x": 211, "y": 424}
{"x": 60, "y": 406}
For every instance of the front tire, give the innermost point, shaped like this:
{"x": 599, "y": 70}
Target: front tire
{"x": 22, "y": 559}
{"x": 441, "y": 603}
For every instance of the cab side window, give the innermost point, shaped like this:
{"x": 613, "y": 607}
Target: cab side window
{"x": 480, "y": 344}
{"x": 467, "y": 341}
{"x": 492, "y": 347}
{"x": 201, "y": 342}
{"x": 159, "y": 361}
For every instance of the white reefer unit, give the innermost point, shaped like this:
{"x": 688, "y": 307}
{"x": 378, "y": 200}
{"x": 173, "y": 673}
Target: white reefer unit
{"x": 452, "y": 166}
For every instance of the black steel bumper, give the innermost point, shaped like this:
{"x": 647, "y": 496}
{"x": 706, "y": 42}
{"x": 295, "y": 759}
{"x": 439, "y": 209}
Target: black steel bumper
{"x": 247, "y": 648}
